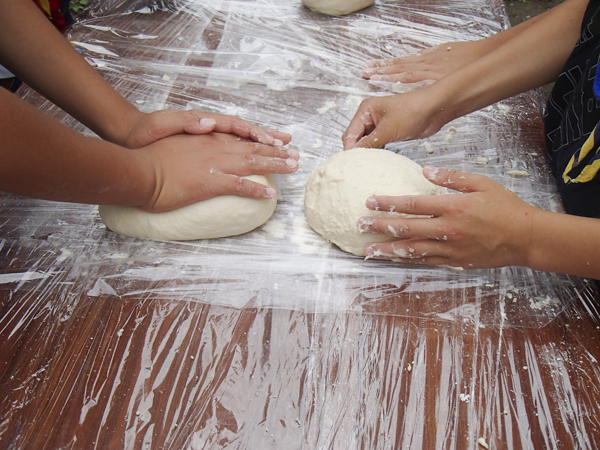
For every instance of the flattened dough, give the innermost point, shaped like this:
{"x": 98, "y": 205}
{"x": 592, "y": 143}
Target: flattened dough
{"x": 337, "y": 7}
{"x": 336, "y": 192}
{"x": 226, "y": 215}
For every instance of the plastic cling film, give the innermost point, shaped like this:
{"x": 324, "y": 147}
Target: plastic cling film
{"x": 277, "y": 338}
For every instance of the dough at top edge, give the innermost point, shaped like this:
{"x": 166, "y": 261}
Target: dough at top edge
{"x": 337, "y": 7}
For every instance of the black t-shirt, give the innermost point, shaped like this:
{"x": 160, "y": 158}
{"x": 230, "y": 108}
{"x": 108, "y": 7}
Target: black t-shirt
{"x": 571, "y": 122}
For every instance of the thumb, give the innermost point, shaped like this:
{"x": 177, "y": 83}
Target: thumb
{"x": 456, "y": 180}
{"x": 373, "y": 140}
{"x": 191, "y": 122}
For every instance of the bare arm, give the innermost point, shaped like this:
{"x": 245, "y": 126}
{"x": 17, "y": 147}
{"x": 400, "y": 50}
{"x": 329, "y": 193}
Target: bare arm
{"x": 36, "y": 52}
{"x": 44, "y": 159}
{"x": 532, "y": 58}
{"x": 438, "y": 61}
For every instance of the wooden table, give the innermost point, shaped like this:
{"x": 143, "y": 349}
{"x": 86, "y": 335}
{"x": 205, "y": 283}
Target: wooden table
{"x": 276, "y": 338}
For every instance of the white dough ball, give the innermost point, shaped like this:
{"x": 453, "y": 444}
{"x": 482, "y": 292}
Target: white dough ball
{"x": 226, "y": 215}
{"x": 337, "y": 7}
{"x": 338, "y": 188}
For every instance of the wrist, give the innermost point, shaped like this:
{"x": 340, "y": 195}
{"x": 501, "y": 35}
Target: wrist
{"x": 119, "y": 127}
{"x": 437, "y": 107}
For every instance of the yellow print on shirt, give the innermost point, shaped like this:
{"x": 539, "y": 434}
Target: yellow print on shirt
{"x": 591, "y": 169}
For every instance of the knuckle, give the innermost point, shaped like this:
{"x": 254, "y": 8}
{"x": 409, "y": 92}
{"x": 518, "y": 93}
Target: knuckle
{"x": 239, "y": 185}
{"x": 190, "y": 116}
{"x": 408, "y": 76}
{"x": 403, "y": 230}
{"x": 251, "y": 160}
{"x": 410, "y": 205}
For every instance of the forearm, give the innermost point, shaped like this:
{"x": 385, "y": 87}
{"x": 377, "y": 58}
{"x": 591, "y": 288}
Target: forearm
{"x": 42, "y": 158}
{"x": 505, "y": 35}
{"x": 36, "y": 52}
{"x": 532, "y": 58}
{"x": 565, "y": 243}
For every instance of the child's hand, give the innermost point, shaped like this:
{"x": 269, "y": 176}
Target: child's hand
{"x": 429, "y": 64}
{"x": 145, "y": 129}
{"x": 380, "y": 120}
{"x": 194, "y": 168}
{"x": 486, "y": 226}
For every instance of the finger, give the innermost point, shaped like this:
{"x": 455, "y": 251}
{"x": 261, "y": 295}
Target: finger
{"x": 262, "y": 150}
{"x": 376, "y": 63}
{"x": 373, "y": 140}
{"x": 361, "y": 124}
{"x": 168, "y": 123}
{"x": 418, "y": 205}
{"x": 252, "y": 164}
{"x": 457, "y": 180}
{"x": 285, "y": 138}
{"x": 397, "y": 66}
{"x": 244, "y": 129}
{"x": 225, "y": 184}
{"x": 402, "y": 228}
{"x": 413, "y": 251}
{"x": 407, "y": 76}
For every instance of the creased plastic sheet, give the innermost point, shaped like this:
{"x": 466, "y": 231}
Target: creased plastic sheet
{"x": 277, "y": 339}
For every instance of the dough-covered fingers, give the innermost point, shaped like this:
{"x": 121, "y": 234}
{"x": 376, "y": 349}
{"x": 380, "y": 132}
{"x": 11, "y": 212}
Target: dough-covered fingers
{"x": 403, "y": 228}
{"x": 418, "y": 205}
{"x": 225, "y": 184}
{"x": 408, "y": 69}
{"x": 457, "y": 180}
{"x": 409, "y": 251}
{"x": 362, "y": 124}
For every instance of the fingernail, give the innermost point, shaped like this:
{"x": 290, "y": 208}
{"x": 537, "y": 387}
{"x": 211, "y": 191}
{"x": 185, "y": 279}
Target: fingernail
{"x": 376, "y": 77}
{"x": 270, "y": 192}
{"x": 207, "y": 123}
{"x": 291, "y": 162}
{"x": 372, "y": 203}
{"x": 400, "y": 252}
{"x": 364, "y": 224}
{"x": 265, "y": 138}
{"x": 294, "y": 154}
{"x": 369, "y": 250}
{"x": 278, "y": 143}
{"x": 431, "y": 171}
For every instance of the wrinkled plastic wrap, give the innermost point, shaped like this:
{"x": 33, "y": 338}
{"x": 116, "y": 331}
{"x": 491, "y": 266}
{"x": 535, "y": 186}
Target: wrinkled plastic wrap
{"x": 277, "y": 339}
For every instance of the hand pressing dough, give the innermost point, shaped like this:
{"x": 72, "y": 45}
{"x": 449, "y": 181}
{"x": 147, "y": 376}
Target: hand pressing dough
{"x": 337, "y": 7}
{"x": 337, "y": 190}
{"x": 226, "y": 215}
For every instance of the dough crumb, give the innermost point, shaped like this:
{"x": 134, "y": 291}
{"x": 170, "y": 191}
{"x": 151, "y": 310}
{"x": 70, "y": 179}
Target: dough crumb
{"x": 481, "y": 441}
{"x": 327, "y": 107}
{"x": 518, "y": 173}
{"x": 428, "y": 147}
{"x": 450, "y": 134}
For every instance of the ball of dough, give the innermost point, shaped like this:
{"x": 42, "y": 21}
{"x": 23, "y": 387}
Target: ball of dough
{"x": 226, "y": 215}
{"x": 337, "y": 7}
{"x": 338, "y": 188}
